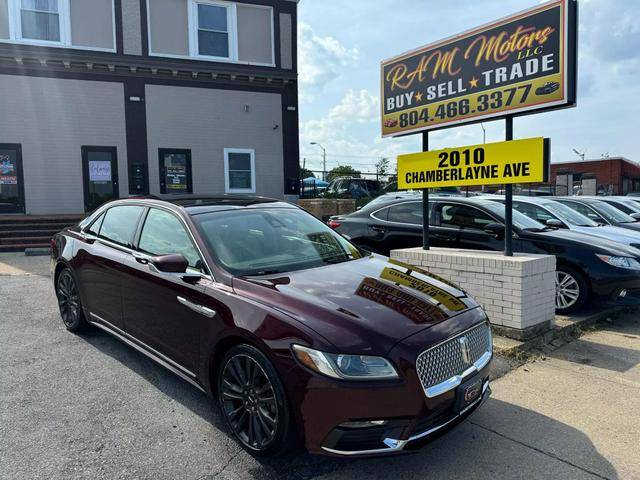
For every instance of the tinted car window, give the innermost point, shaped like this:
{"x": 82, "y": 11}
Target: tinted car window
{"x": 120, "y": 224}
{"x": 261, "y": 242}
{"x": 533, "y": 211}
{"x": 94, "y": 229}
{"x": 462, "y": 216}
{"x": 410, "y": 212}
{"x": 382, "y": 214}
{"x": 164, "y": 234}
{"x": 621, "y": 206}
{"x": 584, "y": 210}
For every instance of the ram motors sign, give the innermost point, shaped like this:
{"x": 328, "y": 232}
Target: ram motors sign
{"x": 520, "y": 64}
{"x": 516, "y": 161}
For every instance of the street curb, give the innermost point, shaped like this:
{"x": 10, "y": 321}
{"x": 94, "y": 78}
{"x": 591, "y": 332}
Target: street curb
{"x": 565, "y": 331}
{"x": 34, "y": 252}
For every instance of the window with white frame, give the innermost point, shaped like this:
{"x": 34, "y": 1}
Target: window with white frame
{"x": 228, "y": 31}
{"x": 81, "y": 24}
{"x": 239, "y": 170}
{"x": 40, "y": 20}
{"x": 213, "y": 25}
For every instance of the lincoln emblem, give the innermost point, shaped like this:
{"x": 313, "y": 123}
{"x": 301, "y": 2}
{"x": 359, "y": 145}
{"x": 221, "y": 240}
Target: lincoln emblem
{"x": 464, "y": 349}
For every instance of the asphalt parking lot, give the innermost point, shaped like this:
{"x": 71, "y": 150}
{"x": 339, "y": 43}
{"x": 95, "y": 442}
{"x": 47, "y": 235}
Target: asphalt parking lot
{"x": 88, "y": 406}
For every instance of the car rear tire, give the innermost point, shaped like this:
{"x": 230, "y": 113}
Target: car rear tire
{"x": 571, "y": 289}
{"x": 253, "y": 402}
{"x": 69, "y": 301}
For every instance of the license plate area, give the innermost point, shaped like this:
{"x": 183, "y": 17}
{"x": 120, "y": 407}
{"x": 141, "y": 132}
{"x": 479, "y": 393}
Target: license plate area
{"x": 468, "y": 393}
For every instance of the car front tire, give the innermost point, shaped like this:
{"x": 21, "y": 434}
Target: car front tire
{"x": 253, "y": 402}
{"x": 571, "y": 290}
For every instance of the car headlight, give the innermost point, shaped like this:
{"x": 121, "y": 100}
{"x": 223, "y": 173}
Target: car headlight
{"x": 346, "y": 367}
{"x": 627, "y": 263}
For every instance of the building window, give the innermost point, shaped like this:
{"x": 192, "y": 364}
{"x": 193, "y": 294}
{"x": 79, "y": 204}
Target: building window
{"x": 40, "y": 20}
{"x": 221, "y": 31}
{"x": 239, "y": 170}
{"x": 213, "y": 30}
{"x": 77, "y": 24}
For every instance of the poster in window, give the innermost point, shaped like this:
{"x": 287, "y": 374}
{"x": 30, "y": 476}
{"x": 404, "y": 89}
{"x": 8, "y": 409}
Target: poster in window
{"x": 8, "y": 174}
{"x": 99, "y": 171}
{"x": 176, "y": 178}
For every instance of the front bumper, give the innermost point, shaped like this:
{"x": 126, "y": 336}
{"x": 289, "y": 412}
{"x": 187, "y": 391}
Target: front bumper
{"x": 421, "y": 434}
{"x": 377, "y": 418}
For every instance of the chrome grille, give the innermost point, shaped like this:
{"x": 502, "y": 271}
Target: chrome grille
{"x": 441, "y": 367}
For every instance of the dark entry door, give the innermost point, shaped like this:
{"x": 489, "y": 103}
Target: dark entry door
{"x": 175, "y": 171}
{"x": 11, "y": 180}
{"x": 100, "y": 172}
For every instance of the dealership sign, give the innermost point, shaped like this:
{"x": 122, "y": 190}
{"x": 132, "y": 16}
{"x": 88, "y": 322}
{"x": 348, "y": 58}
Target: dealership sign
{"x": 517, "y": 161}
{"x": 520, "y": 64}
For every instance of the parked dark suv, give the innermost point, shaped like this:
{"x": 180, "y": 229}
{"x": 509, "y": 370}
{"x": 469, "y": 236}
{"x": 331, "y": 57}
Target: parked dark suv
{"x": 353, "y": 188}
{"x": 297, "y": 333}
{"x": 588, "y": 267}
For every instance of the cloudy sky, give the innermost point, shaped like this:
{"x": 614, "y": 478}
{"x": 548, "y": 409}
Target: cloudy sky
{"x": 341, "y": 44}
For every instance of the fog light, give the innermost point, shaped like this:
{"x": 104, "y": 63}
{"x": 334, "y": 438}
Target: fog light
{"x": 622, "y": 294}
{"x": 363, "y": 424}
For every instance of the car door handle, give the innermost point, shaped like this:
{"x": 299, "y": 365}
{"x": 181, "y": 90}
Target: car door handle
{"x": 207, "y": 312}
{"x": 141, "y": 259}
{"x": 377, "y": 228}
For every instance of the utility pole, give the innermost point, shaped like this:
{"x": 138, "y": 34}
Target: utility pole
{"x": 324, "y": 160}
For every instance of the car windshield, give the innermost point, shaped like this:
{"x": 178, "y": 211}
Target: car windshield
{"x": 569, "y": 215}
{"x": 271, "y": 241}
{"x": 520, "y": 220}
{"x": 612, "y": 214}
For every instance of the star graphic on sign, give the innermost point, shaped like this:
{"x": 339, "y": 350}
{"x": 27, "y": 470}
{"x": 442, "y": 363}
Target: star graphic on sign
{"x": 473, "y": 82}
{"x": 419, "y": 97}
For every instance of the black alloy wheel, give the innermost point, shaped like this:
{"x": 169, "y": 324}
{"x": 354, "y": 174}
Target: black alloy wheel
{"x": 252, "y": 399}
{"x": 69, "y": 301}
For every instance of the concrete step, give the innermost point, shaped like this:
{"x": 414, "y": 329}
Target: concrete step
{"x": 25, "y": 240}
{"x": 49, "y": 232}
{"x": 20, "y": 247}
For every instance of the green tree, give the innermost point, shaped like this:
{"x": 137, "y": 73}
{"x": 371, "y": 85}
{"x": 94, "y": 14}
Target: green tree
{"x": 382, "y": 167}
{"x": 343, "y": 171}
{"x": 306, "y": 173}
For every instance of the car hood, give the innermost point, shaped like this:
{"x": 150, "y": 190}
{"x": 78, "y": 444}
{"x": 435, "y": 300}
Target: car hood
{"x": 616, "y": 234}
{"x": 361, "y": 306}
{"x": 598, "y": 244}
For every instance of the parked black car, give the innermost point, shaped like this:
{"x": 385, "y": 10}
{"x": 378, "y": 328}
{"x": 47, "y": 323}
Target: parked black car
{"x": 600, "y": 212}
{"x": 346, "y": 187}
{"x": 588, "y": 267}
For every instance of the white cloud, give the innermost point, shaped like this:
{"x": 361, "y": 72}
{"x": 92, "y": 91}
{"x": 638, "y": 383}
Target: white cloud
{"x": 349, "y": 134}
{"x": 320, "y": 60}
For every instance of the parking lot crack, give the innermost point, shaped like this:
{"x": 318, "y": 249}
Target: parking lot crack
{"x": 543, "y": 452}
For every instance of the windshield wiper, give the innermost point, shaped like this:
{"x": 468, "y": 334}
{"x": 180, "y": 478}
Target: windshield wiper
{"x": 262, "y": 272}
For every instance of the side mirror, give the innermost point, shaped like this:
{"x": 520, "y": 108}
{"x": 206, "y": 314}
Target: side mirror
{"x": 496, "y": 229}
{"x": 555, "y": 223}
{"x": 635, "y": 215}
{"x": 173, "y": 263}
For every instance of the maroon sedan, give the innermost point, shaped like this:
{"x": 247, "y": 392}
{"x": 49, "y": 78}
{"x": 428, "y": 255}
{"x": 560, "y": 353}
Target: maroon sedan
{"x": 297, "y": 333}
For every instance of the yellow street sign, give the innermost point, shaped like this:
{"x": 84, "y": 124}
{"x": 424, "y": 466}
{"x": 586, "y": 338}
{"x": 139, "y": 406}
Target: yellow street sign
{"x": 515, "y": 161}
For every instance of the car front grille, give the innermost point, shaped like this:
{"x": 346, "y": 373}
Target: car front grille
{"x": 440, "y": 368}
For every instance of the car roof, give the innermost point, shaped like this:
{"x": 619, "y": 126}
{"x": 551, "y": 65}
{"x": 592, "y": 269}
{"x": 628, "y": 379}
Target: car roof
{"x": 396, "y": 199}
{"x": 197, "y": 204}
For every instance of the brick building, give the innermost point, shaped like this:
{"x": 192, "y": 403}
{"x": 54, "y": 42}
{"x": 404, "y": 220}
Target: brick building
{"x": 613, "y": 176}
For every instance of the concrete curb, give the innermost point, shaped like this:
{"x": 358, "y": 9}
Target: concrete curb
{"x": 34, "y": 252}
{"x": 566, "y": 329}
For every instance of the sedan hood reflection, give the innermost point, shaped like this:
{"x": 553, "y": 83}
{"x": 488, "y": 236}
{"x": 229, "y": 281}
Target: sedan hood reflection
{"x": 364, "y": 305}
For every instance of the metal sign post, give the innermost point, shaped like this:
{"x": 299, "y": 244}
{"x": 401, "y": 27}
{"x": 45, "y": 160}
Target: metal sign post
{"x": 508, "y": 199}
{"x": 425, "y": 199}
